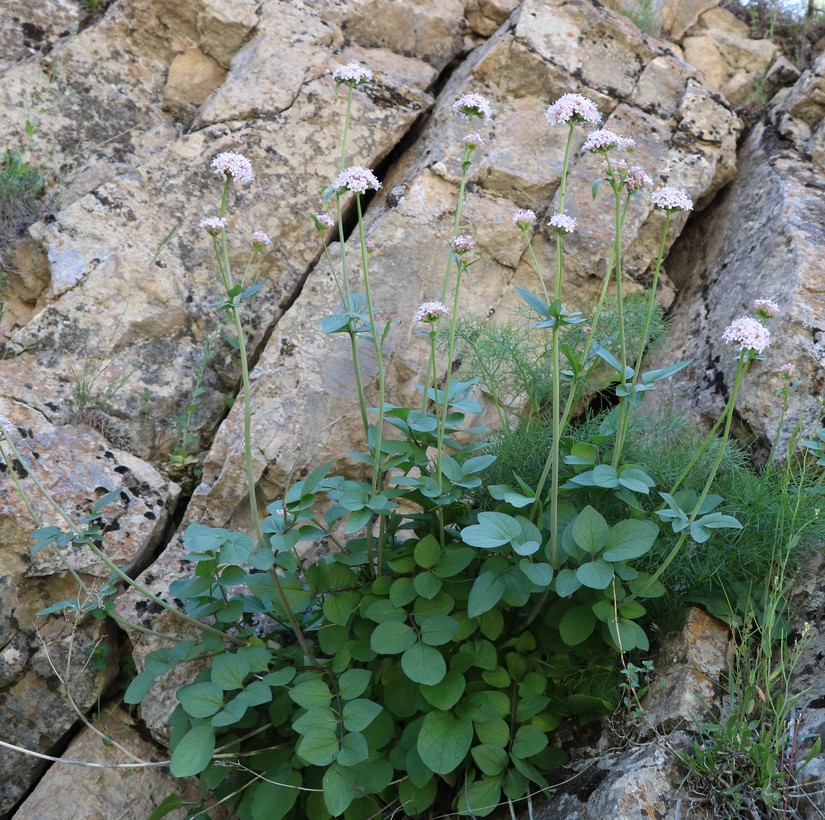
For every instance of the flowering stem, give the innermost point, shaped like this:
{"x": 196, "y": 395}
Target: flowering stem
{"x": 741, "y": 369}
{"x": 624, "y": 403}
{"x": 552, "y": 463}
{"x": 538, "y": 268}
{"x": 432, "y": 372}
{"x": 377, "y": 341}
{"x": 785, "y": 396}
{"x": 465, "y": 172}
{"x": 624, "y": 417}
{"x": 345, "y": 138}
{"x": 442, "y": 421}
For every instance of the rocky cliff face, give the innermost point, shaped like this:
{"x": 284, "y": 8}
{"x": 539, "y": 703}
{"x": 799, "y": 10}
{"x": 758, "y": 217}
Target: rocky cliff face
{"x": 117, "y": 280}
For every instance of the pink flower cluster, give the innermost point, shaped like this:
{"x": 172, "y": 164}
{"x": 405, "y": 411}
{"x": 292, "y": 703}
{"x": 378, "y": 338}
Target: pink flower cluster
{"x": 788, "y": 370}
{"x": 748, "y": 333}
{"x": 233, "y": 165}
{"x": 604, "y": 140}
{"x": 766, "y": 309}
{"x": 462, "y": 244}
{"x": 473, "y": 105}
{"x": 473, "y": 141}
{"x": 563, "y": 223}
{"x": 213, "y": 225}
{"x": 637, "y": 179}
{"x": 671, "y": 199}
{"x": 572, "y": 109}
{"x": 357, "y": 179}
{"x": 524, "y": 219}
{"x": 430, "y": 312}
{"x": 259, "y": 239}
{"x": 326, "y": 220}
{"x": 352, "y": 74}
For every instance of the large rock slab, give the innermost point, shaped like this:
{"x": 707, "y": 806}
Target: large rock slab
{"x": 77, "y": 466}
{"x": 761, "y": 239}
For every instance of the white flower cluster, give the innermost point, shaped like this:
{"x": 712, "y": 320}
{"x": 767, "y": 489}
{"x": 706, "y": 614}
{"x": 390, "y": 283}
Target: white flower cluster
{"x": 352, "y": 74}
{"x": 473, "y": 105}
{"x": 671, "y": 199}
{"x": 604, "y": 140}
{"x": 429, "y": 312}
{"x": 233, "y": 165}
{"x": 357, "y": 179}
{"x": 524, "y": 219}
{"x": 572, "y": 109}
{"x": 748, "y": 333}
{"x": 562, "y": 222}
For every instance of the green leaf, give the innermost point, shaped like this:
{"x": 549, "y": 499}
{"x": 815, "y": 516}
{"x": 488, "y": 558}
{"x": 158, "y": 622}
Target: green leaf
{"x": 630, "y": 538}
{"x": 354, "y": 749}
{"x": 438, "y": 630}
{"x": 231, "y": 714}
{"x": 453, "y": 560}
{"x": 353, "y": 683}
{"x": 577, "y": 625}
{"x": 481, "y": 798}
{"x": 311, "y": 693}
{"x": 495, "y": 732}
{"x": 427, "y": 584}
{"x": 528, "y": 741}
{"x": 339, "y": 789}
{"x": 229, "y": 671}
{"x": 539, "y": 574}
{"x": 498, "y": 677}
{"x": 632, "y": 635}
{"x": 423, "y": 664}
{"x": 493, "y": 530}
{"x": 491, "y": 760}
{"x": 194, "y": 751}
{"x": 444, "y": 740}
{"x": 597, "y": 574}
{"x": 169, "y": 804}
{"x": 590, "y": 530}
{"x": 272, "y": 801}
{"x": 236, "y": 549}
{"x": 201, "y": 700}
{"x": 358, "y": 714}
{"x": 635, "y": 479}
{"x": 414, "y": 800}
{"x": 445, "y": 694}
{"x": 392, "y": 638}
{"x": 339, "y": 606}
{"x": 483, "y": 706}
{"x": 402, "y": 592}
{"x": 486, "y": 592}
{"x": 318, "y": 747}
{"x": 427, "y": 552}
{"x": 567, "y": 582}
{"x": 319, "y": 717}
{"x": 139, "y": 687}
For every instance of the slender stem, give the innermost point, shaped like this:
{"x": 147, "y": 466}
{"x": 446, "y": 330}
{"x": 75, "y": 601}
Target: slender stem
{"x": 785, "y": 396}
{"x": 345, "y": 138}
{"x": 442, "y": 421}
{"x": 741, "y": 369}
{"x": 538, "y": 268}
{"x": 624, "y": 419}
{"x": 624, "y": 403}
{"x": 465, "y": 172}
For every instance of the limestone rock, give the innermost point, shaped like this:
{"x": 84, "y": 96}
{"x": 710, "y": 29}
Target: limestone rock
{"x": 485, "y": 16}
{"x": 77, "y": 466}
{"x": 192, "y": 77}
{"x": 759, "y": 240}
{"x": 125, "y": 793}
{"x": 26, "y": 28}
{"x": 720, "y": 46}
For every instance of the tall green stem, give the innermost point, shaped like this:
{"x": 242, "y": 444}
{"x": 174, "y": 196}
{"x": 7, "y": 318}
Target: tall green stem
{"x": 624, "y": 403}
{"x": 741, "y": 369}
{"x": 442, "y": 420}
{"x": 624, "y": 418}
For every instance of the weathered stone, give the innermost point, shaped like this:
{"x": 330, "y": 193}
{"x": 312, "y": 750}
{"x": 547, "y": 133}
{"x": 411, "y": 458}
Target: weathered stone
{"x": 125, "y": 793}
{"x": 688, "y": 670}
{"x": 77, "y": 466}
{"x": 676, "y": 17}
{"x": 192, "y": 77}
{"x": 26, "y": 28}
{"x": 734, "y": 63}
{"x": 761, "y": 239}
{"x": 485, "y": 16}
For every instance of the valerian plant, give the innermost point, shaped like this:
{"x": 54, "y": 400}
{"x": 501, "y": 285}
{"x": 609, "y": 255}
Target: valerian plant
{"x": 428, "y": 660}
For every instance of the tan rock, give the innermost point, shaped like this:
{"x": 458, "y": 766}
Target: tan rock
{"x": 126, "y": 793}
{"x": 192, "y": 77}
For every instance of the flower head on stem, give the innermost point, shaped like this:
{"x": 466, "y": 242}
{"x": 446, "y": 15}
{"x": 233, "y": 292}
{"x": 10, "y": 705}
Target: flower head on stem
{"x": 357, "y": 179}
{"x": 524, "y": 219}
{"x": 325, "y": 220}
{"x": 462, "y": 244}
{"x": 473, "y": 141}
{"x": 563, "y": 223}
{"x": 234, "y": 165}
{"x": 370, "y": 246}
{"x": 637, "y": 179}
{"x": 473, "y": 105}
{"x": 429, "y": 313}
{"x": 766, "y": 309}
{"x": 213, "y": 225}
{"x": 603, "y": 141}
{"x": 352, "y": 74}
{"x": 572, "y": 109}
{"x": 748, "y": 333}
{"x": 788, "y": 370}
{"x": 260, "y": 240}
{"x": 671, "y": 199}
